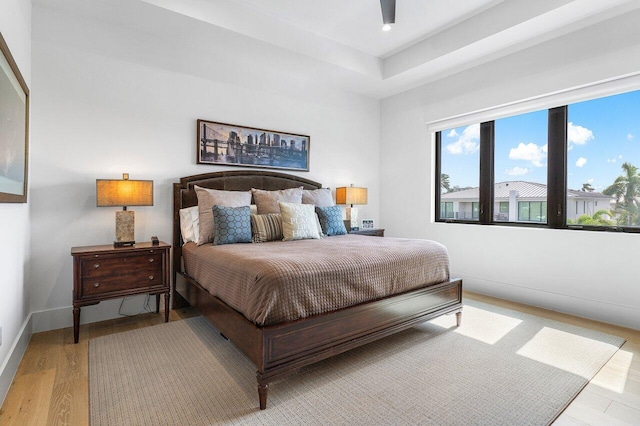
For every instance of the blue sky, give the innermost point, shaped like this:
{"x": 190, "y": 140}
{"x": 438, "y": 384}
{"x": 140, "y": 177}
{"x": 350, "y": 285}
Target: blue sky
{"x": 602, "y": 135}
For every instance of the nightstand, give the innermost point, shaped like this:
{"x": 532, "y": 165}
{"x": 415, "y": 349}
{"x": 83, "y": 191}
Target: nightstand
{"x": 105, "y": 272}
{"x": 377, "y": 232}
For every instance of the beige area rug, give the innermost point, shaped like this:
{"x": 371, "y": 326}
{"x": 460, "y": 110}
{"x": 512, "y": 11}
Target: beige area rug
{"x": 499, "y": 367}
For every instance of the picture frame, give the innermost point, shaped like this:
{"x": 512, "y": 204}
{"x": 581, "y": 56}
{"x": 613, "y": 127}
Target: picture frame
{"x": 367, "y": 224}
{"x": 14, "y": 129}
{"x": 226, "y": 144}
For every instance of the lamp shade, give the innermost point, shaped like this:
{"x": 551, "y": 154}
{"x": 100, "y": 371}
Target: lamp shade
{"x": 124, "y": 192}
{"x": 351, "y": 195}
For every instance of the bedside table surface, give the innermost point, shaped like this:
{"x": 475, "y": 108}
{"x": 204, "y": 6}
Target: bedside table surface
{"x": 110, "y": 248}
{"x": 376, "y": 232}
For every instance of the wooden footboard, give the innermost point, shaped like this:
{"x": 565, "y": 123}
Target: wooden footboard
{"x": 281, "y": 349}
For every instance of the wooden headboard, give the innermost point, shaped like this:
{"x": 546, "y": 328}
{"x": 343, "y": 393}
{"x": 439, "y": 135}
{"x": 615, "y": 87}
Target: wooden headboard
{"x": 184, "y": 195}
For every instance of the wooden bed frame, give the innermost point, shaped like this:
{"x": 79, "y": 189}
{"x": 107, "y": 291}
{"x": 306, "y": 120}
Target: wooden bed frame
{"x": 278, "y": 350}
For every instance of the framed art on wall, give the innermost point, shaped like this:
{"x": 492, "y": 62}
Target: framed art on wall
{"x": 232, "y": 145}
{"x": 14, "y": 125}
{"x": 367, "y": 224}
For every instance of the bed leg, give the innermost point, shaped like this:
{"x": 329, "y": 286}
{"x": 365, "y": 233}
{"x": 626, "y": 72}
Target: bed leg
{"x": 262, "y": 393}
{"x": 459, "y": 318}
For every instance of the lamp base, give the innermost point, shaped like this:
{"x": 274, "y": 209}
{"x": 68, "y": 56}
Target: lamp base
{"x": 352, "y": 217}
{"x": 125, "y": 225}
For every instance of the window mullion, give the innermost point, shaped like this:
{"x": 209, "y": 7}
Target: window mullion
{"x": 557, "y": 168}
{"x": 486, "y": 172}
{"x": 438, "y": 167}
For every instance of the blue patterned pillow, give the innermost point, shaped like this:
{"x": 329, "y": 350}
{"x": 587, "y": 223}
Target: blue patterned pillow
{"x": 331, "y": 220}
{"x": 231, "y": 225}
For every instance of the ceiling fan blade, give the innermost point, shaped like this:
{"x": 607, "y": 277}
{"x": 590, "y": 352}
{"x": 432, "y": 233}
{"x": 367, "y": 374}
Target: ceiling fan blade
{"x": 388, "y": 11}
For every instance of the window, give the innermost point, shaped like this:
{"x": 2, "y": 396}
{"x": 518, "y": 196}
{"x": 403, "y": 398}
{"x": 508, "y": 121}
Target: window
{"x": 603, "y": 158}
{"x": 460, "y": 170}
{"x": 520, "y": 161}
{"x": 532, "y": 211}
{"x": 446, "y": 210}
{"x": 575, "y": 166}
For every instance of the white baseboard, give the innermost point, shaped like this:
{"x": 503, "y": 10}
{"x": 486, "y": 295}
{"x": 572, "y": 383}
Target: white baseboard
{"x": 53, "y": 319}
{"x": 11, "y": 363}
{"x": 625, "y": 316}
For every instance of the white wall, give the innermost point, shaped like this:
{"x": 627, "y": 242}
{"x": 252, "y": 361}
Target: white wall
{"x": 589, "y": 274}
{"x": 114, "y": 93}
{"x": 15, "y": 26}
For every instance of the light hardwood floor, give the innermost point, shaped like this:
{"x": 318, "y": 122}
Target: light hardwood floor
{"x": 51, "y": 386}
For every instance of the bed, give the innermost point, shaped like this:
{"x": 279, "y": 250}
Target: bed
{"x": 279, "y": 344}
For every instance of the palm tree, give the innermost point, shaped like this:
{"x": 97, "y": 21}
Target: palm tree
{"x": 445, "y": 182}
{"x": 626, "y": 189}
{"x": 596, "y": 220}
{"x": 586, "y": 187}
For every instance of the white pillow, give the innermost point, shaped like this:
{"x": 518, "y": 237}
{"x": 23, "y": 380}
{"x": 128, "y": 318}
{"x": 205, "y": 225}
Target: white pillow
{"x": 190, "y": 224}
{"x": 299, "y": 221}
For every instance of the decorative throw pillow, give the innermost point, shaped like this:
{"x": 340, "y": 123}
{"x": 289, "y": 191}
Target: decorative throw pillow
{"x": 266, "y": 227}
{"x": 189, "y": 224}
{"x": 267, "y": 201}
{"x": 207, "y": 198}
{"x": 331, "y": 220}
{"x": 318, "y": 197}
{"x": 299, "y": 221}
{"x": 231, "y": 225}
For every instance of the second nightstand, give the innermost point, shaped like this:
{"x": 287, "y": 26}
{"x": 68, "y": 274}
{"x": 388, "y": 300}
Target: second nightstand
{"x": 105, "y": 272}
{"x": 377, "y": 232}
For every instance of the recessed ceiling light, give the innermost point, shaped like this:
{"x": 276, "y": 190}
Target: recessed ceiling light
{"x": 386, "y": 27}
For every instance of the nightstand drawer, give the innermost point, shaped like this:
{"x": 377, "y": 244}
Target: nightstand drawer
{"x": 119, "y": 280}
{"x": 104, "y": 265}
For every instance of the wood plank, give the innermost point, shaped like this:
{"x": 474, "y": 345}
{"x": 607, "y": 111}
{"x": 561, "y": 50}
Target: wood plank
{"x": 29, "y": 398}
{"x": 585, "y": 414}
{"x": 624, "y": 412}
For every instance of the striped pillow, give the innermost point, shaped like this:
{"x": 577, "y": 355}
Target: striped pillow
{"x": 266, "y": 227}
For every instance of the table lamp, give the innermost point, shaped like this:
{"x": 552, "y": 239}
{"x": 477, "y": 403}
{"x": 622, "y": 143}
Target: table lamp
{"x": 351, "y": 195}
{"x": 124, "y": 192}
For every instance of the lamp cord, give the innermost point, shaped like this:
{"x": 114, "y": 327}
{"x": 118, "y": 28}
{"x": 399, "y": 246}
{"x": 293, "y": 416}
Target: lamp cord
{"x": 145, "y": 306}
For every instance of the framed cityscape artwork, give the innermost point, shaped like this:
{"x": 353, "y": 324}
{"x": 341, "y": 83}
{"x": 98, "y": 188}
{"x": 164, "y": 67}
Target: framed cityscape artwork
{"x": 14, "y": 125}
{"x": 232, "y": 145}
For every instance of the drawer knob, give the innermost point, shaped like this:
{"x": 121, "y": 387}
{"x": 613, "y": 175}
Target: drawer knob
{"x": 151, "y": 260}
{"x": 96, "y": 265}
{"x": 96, "y": 285}
{"x": 150, "y": 277}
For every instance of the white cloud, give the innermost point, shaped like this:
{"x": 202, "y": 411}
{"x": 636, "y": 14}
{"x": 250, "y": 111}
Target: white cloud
{"x": 578, "y": 134}
{"x": 611, "y": 160}
{"x": 529, "y": 152}
{"x": 590, "y": 180}
{"x": 517, "y": 171}
{"x": 452, "y": 133}
{"x": 629, "y": 137}
{"x": 620, "y": 156}
{"x": 581, "y": 162}
{"x": 468, "y": 143}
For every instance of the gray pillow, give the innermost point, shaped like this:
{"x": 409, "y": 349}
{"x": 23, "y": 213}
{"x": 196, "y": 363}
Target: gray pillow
{"x": 318, "y": 197}
{"x": 267, "y": 201}
{"x": 207, "y": 198}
